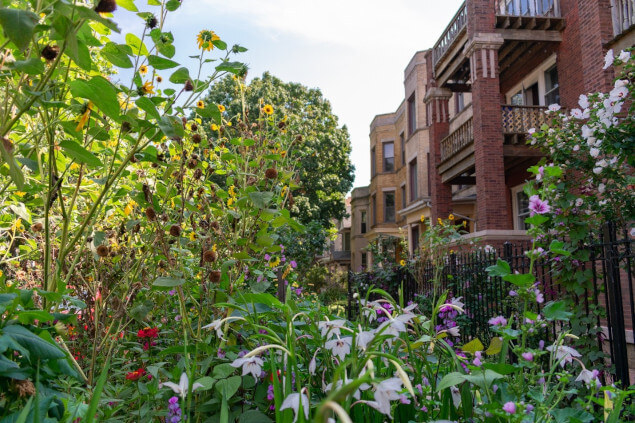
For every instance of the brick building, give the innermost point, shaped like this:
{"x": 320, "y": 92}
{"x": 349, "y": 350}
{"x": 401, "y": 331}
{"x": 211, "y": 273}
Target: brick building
{"x": 469, "y": 104}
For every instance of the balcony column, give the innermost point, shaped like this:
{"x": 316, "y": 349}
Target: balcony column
{"x": 437, "y": 109}
{"x": 492, "y": 211}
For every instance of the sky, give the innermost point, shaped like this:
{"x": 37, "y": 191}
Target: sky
{"x": 355, "y": 51}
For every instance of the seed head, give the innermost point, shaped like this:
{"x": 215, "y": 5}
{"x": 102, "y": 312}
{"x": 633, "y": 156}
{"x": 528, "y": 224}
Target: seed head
{"x": 271, "y": 173}
{"x": 188, "y": 85}
{"x": 194, "y": 127}
{"x": 106, "y": 6}
{"x": 151, "y": 214}
{"x": 209, "y": 256}
{"x": 152, "y": 22}
{"x": 196, "y": 138}
{"x": 37, "y": 227}
{"x": 175, "y": 230}
{"x": 214, "y": 276}
{"x": 50, "y": 52}
{"x": 102, "y": 251}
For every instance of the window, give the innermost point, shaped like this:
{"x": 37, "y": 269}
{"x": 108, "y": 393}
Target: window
{"x": 428, "y": 174}
{"x": 403, "y": 148}
{"x": 373, "y": 210}
{"x": 389, "y": 206}
{"x": 414, "y": 188}
{"x": 412, "y": 115}
{"x": 346, "y": 241}
{"x": 389, "y": 156}
{"x": 403, "y": 197}
{"x": 552, "y": 88}
{"x": 363, "y": 221}
{"x": 459, "y": 102}
{"x": 415, "y": 239}
{"x": 522, "y": 210}
{"x": 364, "y": 260}
{"x": 373, "y": 162}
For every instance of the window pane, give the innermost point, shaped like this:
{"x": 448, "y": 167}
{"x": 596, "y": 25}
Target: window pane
{"x": 522, "y": 205}
{"x": 414, "y": 188}
{"x": 389, "y": 157}
{"x": 389, "y": 207}
{"x": 412, "y": 115}
{"x": 363, "y": 219}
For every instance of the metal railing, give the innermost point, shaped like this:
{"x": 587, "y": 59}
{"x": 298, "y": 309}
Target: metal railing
{"x": 532, "y": 8}
{"x": 623, "y": 15}
{"x": 520, "y": 119}
{"x": 452, "y": 31}
{"x": 457, "y": 140}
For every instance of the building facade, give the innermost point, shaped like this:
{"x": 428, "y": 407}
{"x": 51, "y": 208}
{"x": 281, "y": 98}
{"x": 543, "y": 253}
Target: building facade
{"x": 457, "y": 143}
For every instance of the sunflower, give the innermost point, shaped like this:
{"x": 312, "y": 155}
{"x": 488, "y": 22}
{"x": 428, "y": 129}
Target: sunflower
{"x": 143, "y": 69}
{"x": 221, "y": 108}
{"x": 200, "y": 104}
{"x": 451, "y": 217}
{"x": 268, "y": 109}
{"x": 205, "y": 38}
{"x": 229, "y": 123}
{"x": 147, "y": 88}
{"x": 214, "y": 127}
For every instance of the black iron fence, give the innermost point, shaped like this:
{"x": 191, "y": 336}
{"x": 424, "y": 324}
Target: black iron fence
{"x": 603, "y": 295}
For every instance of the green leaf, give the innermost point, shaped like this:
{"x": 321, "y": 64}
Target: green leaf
{"x": 222, "y": 371}
{"x": 522, "y": 280}
{"x": 28, "y": 316}
{"x": 33, "y": 66}
{"x": 137, "y": 46}
{"x": 168, "y": 282}
{"x": 483, "y": 378}
{"x": 556, "y": 311}
{"x": 148, "y": 106}
{"x": 128, "y": 5}
{"x": 161, "y": 63}
{"x": 18, "y": 25}
{"x": 500, "y": 269}
{"x": 502, "y": 368}
{"x": 36, "y": 346}
{"x": 473, "y": 346}
{"x": 536, "y": 220}
{"x": 80, "y": 154}
{"x": 180, "y": 76}
{"x": 557, "y": 247}
{"x": 572, "y": 415}
{"x": 261, "y": 199}
{"x": 237, "y": 68}
{"x": 171, "y": 126}
{"x": 451, "y": 379}
{"x": 15, "y": 171}
{"x": 117, "y": 54}
{"x": 94, "y": 401}
{"x": 495, "y": 346}
{"x": 101, "y": 92}
{"x": 228, "y": 387}
{"x": 207, "y": 383}
{"x": 172, "y": 5}
{"x": 254, "y": 416}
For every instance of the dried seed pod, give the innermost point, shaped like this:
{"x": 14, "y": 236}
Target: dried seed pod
{"x": 271, "y": 173}
{"x": 106, "y": 6}
{"x": 196, "y": 138}
{"x": 214, "y": 276}
{"x": 209, "y": 256}
{"x": 102, "y": 251}
{"x": 188, "y": 85}
{"x": 37, "y": 227}
{"x": 151, "y": 214}
{"x": 197, "y": 175}
{"x": 282, "y": 124}
{"x": 175, "y": 230}
{"x": 214, "y": 225}
{"x": 152, "y": 22}
{"x": 194, "y": 127}
{"x": 192, "y": 163}
{"x": 50, "y": 52}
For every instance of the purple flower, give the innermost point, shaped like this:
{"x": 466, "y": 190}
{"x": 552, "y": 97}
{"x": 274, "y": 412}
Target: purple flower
{"x": 293, "y": 264}
{"x": 529, "y": 408}
{"x": 172, "y": 292}
{"x": 270, "y": 394}
{"x": 494, "y": 388}
{"x": 220, "y": 353}
{"x": 509, "y": 407}
{"x": 267, "y": 257}
{"x": 404, "y": 399}
{"x": 419, "y": 388}
{"x": 528, "y": 356}
{"x": 497, "y": 321}
{"x": 537, "y": 206}
{"x": 513, "y": 293}
{"x": 174, "y": 410}
{"x": 541, "y": 344}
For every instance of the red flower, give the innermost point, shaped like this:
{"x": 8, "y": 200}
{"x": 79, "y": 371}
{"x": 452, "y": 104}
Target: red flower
{"x": 136, "y": 375}
{"x": 148, "y": 333}
{"x": 141, "y": 333}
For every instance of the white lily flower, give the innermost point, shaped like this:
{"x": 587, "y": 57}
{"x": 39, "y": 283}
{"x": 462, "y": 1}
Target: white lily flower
{"x": 181, "y": 388}
{"x": 217, "y": 325}
{"x": 357, "y": 394}
{"x": 331, "y": 327}
{"x": 386, "y": 391}
{"x": 293, "y": 402}
{"x": 564, "y": 354}
{"x": 313, "y": 364}
{"x": 340, "y": 346}
{"x": 396, "y": 325}
{"x": 589, "y": 377}
{"x": 251, "y": 365}
{"x": 364, "y": 337}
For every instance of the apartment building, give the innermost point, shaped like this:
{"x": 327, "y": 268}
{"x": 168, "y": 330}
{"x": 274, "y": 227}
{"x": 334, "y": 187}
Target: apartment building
{"x": 456, "y": 144}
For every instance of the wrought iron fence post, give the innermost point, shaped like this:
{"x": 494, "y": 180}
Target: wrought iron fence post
{"x": 348, "y": 285}
{"x": 615, "y": 305}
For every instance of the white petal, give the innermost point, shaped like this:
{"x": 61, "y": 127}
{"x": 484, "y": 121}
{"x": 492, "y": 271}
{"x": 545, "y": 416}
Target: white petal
{"x": 176, "y": 388}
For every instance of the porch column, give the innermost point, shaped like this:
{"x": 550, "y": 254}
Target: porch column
{"x": 492, "y": 211}
{"x": 437, "y": 108}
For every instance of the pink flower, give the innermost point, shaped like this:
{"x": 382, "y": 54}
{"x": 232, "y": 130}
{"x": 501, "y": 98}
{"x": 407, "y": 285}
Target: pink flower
{"x": 509, "y": 407}
{"x": 538, "y": 206}
{"x": 528, "y": 356}
{"x": 497, "y": 321}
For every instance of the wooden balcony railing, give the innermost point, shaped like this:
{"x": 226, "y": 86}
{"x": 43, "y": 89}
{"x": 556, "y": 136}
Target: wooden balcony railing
{"x": 623, "y": 15}
{"x": 457, "y": 140}
{"x": 452, "y": 31}
{"x": 520, "y": 119}
{"x": 532, "y": 8}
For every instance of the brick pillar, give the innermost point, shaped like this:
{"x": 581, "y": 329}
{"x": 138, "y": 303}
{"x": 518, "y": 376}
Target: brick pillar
{"x": 492, "y": 211}
{"x": 437, "y": 109}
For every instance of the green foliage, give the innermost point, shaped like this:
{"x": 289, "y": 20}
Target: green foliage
{"x": 325, "y": 172}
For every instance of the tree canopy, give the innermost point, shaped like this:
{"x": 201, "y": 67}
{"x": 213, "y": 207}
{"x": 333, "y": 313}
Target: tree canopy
{"x": 325, "y": 172}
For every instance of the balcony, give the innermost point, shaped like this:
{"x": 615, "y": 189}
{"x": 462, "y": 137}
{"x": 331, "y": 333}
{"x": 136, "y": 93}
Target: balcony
{"x": 623, "y": 16}
{"x": 530, "y": 8}
{"x": 449, "y": 37}
{"x": 457, "y": 149}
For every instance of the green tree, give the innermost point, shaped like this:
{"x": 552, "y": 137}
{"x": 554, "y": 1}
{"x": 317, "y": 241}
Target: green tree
{"x": 325, "y": 172}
